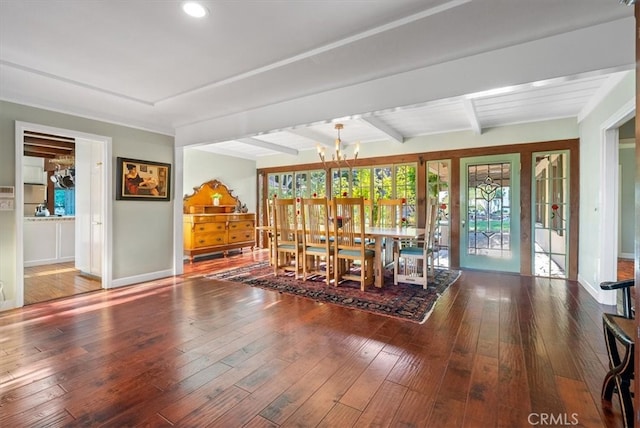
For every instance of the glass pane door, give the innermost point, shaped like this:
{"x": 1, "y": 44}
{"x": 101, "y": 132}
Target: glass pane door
{"x": 550, "y": 194}
{"x": 490, "y": 197}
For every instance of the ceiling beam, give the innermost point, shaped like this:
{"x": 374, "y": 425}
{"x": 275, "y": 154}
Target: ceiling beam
{"x": 49, "y": 143}
{"x": 314, "y": 136}
{"x": 38, "y": 155}
{"x": 472, "y": 116}
{"x": 49, "y": 136}
{"x": 46, "y": 150}
{"x": 267, "y": 145}
{"x": 384, "y": 128}
{"x": 407, "y": 20}
{"x": 212, "y": 148}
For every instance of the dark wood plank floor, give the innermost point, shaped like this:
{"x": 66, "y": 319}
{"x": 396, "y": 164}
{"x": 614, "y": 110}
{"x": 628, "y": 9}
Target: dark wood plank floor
{"x": 498, "y": 350}
{"x": 625, "y": 269}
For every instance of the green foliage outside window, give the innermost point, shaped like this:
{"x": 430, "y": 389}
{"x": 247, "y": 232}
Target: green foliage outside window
{"x": 398, "y": 181}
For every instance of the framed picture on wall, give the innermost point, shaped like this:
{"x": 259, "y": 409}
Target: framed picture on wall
{"x": 142, "y": 180}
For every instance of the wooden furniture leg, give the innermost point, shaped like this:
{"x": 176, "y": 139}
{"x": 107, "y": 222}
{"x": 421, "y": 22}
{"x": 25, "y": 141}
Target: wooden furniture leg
{"x": 619, "y": 331}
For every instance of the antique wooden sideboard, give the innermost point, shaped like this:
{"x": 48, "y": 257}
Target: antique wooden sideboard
{"x": 209, "y": 228}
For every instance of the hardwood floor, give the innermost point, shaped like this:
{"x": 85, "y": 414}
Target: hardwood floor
{"x": 49, "y": 282}
{"x": 625, "y": 269}
{"x": 498, "y": 350}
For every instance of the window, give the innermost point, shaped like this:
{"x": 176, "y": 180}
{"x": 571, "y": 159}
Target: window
{"x": 301, "y": 184}
{"x": 396, "y": 181}
{"x": 64, "y": 201}
{"x": 438, "y": 177}
{"x": 550, "y": 229}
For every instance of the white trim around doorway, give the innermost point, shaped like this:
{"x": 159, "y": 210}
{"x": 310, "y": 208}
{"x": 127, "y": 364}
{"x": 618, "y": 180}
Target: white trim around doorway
{"x": 20, "y": 128}
{"x": 609, "y": 197}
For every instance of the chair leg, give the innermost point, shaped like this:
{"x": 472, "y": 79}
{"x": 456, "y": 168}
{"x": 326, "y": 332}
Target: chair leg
{"x": 425, "y": 273}
{"x": 620, "y": 375}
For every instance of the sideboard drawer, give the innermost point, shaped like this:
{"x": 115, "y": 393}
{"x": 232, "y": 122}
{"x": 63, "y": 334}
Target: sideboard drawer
{"x": 241, "y": 225}
{"x": 241, "y": 236}
{"x": 209, "y": 239}
{"x": 209, "y": 227}
{"x": 203, "y": 218}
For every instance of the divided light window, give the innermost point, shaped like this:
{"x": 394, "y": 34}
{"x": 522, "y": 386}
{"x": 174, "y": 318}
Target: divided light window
{"x": 299, "y": 184}
{"x": 373, "y": 182}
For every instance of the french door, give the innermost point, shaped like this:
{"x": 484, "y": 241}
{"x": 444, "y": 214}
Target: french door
{"x": 490, "y": 213}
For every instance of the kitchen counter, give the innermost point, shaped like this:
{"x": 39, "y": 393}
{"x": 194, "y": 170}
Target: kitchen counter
{"x": 49, "y": 240}
{"x": 50, "y": 218}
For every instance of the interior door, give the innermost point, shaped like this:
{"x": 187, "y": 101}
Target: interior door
{"x": 96, "y": 210}
{"x": 490, "y": 197}
{"x": 89, "y": 207}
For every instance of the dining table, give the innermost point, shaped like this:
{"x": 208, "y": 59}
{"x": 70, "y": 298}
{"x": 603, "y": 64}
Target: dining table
{"x": 388, "y": 236}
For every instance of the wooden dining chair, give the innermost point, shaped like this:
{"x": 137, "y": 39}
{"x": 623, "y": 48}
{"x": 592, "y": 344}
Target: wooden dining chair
{"x": 269, "y": 235}
{"x": 287, "y": 248}
{"x": 389, "y": 212}
{"x": 316, "y": 244}
{"x": 619, "y": 336}
{"x": 350, "y": 247}
{"x": 413, "y": 261}
{"x": 368, "y": 212}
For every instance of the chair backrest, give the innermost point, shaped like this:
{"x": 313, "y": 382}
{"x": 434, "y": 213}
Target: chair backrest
{"x": 315, "y": 222}
{"x": 348, "y": 223}
{"x": 431, "y": 221}
{"x": 285, "y": 226}
{"x": 389, "y": 213}
{"x": 368, "y": 212}
{"x": 269, "y": 206}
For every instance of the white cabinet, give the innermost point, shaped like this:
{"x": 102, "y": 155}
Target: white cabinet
{"x": 48, "y": 240}
{"x": 33, "y": 170}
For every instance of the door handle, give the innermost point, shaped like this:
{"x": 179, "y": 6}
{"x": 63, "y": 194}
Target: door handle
{"x": 96, "y": 222}
{"x": 463, "y": 223}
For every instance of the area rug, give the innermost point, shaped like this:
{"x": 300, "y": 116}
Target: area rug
{"x": 404, "y": 301}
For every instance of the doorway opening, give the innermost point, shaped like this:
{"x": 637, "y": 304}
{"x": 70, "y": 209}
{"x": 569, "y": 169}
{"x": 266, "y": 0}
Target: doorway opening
{"x": 550, "y": 213}
{"x": 490, "y": 207}
{"x": 62, "y": 219}
{"x": 610, "y": 197}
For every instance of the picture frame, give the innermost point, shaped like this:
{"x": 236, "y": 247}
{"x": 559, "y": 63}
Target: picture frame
{"x": 142, "y": 180}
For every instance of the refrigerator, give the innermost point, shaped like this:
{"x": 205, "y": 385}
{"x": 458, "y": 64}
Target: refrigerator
{"x": 34, "y": 195}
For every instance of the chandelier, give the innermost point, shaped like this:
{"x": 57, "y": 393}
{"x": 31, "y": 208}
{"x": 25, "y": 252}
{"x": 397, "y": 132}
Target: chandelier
{"x": 340, "y": 156}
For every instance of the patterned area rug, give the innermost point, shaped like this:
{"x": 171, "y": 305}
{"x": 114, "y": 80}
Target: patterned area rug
{"x": 405, "y": 301}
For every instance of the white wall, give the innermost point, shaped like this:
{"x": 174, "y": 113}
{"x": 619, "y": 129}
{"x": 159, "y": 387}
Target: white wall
{"x": 627, "y": 198}
{"x": 238, "y": 174}
{"x": 142, "y": 231}
{"x": 591, "y": 173}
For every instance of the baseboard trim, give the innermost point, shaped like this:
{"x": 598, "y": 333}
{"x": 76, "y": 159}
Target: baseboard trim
{"x": 629, "y": 256}
{"x": 6, "y": 305}
{"x": 602, "y": 296}
{"x": 130, "y": 280}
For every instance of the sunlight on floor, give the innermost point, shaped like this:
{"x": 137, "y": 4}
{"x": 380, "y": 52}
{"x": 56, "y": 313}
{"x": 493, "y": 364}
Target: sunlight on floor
{"x": 545, "y": 266}
{"x": 50, "y": 272}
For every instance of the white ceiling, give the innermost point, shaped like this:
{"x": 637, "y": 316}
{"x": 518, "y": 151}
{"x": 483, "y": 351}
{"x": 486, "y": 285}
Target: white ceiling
{"x": 257, "y": 78}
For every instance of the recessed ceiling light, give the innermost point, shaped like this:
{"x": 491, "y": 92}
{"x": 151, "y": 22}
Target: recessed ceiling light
{"x": 194, "y": 9}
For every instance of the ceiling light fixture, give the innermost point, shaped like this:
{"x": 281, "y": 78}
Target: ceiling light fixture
{"x": 339, "y": 156}
{"x": 194, "y": 9}
{"x": 628, "y": 2}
